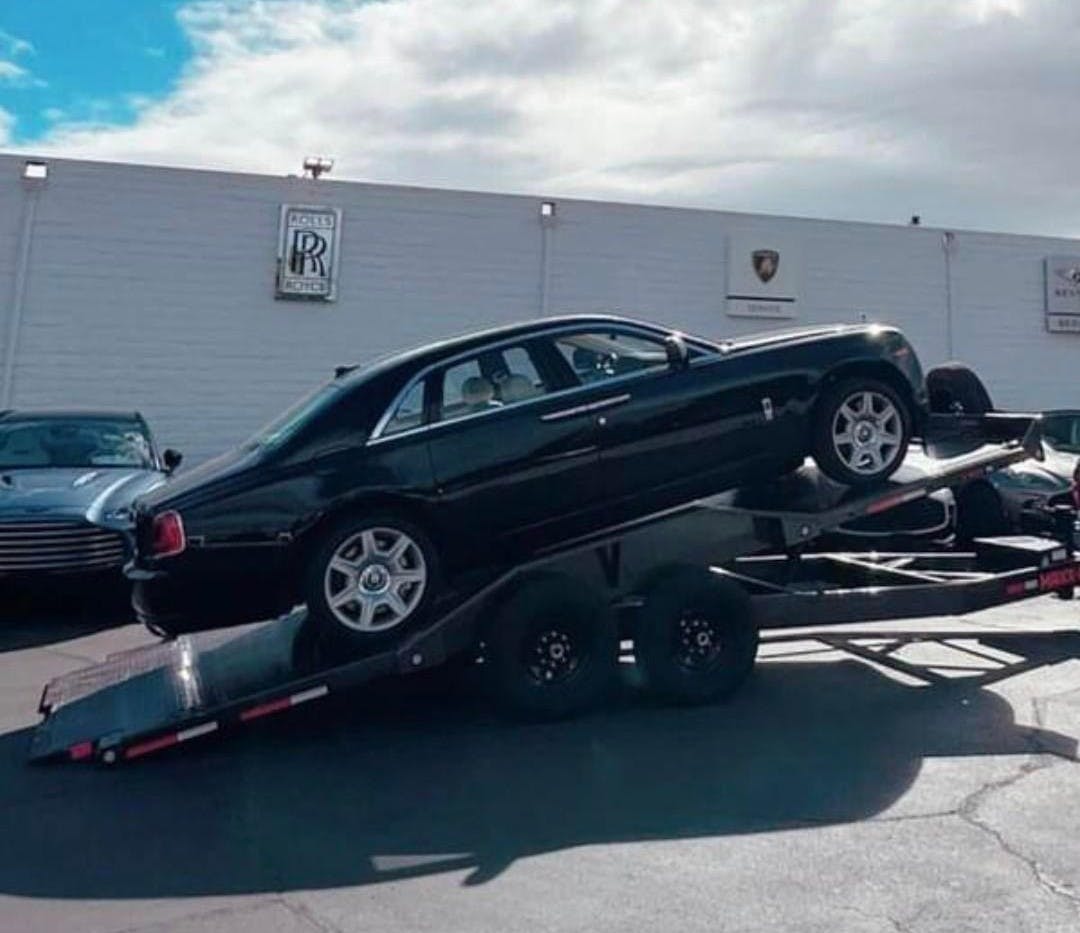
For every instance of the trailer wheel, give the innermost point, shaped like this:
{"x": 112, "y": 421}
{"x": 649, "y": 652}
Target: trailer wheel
{"x": 696, "y": 640}
{"x": 551, "y": 649}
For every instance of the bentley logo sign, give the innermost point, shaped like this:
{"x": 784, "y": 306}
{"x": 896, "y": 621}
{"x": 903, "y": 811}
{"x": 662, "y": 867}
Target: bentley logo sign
{"x": 766, "y": 262}
{"x": 1063, "y": 294}
{"x": 307, "y": 252}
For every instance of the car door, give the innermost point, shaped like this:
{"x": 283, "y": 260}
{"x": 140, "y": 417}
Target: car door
{"x": 512, "y": 455}
{"x": 676, "y": 432}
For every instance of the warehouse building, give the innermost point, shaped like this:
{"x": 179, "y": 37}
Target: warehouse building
{"x": 211, "y": 300}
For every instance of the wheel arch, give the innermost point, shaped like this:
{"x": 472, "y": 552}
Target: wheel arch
{"x": 307, "y": 540}
{"x": 872, "y": 369}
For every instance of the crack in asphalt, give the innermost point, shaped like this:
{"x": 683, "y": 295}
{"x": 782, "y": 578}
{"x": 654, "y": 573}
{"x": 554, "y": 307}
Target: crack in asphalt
{"x": 968, "y": 812}
{"x": 228, "y": 911}
{"x": 305, "y": 913}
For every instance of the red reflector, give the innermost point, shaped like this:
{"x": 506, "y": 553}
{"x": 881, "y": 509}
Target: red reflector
{"x": 144, "y": 748}
{"x": 168, "y": 536}
{"x": 81, "y": 751}
{"x": 265, "y": 709}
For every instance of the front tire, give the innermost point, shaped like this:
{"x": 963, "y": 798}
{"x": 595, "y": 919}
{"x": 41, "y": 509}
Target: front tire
{"x": 370, "y": 581}
{"x": 860, "y": 432}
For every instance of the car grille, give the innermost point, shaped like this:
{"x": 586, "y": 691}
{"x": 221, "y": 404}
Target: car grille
{"x": 921, "y": 516}
{"x": 58, "y": 547}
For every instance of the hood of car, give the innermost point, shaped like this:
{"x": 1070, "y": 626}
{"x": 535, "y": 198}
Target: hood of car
{"x": 99, "y": 494}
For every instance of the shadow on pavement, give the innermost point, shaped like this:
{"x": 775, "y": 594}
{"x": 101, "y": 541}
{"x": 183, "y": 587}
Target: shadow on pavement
{"x": 46, "y": 614}
{"x": 420, "y": 779}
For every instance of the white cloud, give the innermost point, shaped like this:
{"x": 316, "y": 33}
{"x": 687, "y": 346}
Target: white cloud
{"x": 7, "y": 121}
{"x": 959, "y": 110}
{"x": 13, "y": 45}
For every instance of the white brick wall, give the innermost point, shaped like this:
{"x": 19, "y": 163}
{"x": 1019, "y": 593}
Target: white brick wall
{"x": 152, "y": 288}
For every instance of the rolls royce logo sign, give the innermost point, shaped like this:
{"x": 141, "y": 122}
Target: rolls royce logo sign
{"x": 766, "y": 262}
{"x": 308, "y": 240}
{"x": 1063, "y": 294}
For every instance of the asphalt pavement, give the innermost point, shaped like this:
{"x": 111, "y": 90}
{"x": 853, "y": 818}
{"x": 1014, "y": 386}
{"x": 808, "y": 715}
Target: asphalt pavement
{"x": 864, "y": 784}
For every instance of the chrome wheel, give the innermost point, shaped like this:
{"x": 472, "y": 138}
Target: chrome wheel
{"x": 867, "y": 432}
{"x": 375, "y": 579}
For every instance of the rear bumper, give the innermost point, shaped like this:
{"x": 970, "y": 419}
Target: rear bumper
{"x": 173, "y": 602}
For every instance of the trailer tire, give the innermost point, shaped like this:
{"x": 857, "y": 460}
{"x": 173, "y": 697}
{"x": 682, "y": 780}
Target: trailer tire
{"x": 695, "y": 639}
{"x": 550, "y": 649}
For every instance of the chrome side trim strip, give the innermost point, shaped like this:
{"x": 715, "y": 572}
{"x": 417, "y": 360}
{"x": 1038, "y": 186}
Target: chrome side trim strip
{"x": 585, "y": 409}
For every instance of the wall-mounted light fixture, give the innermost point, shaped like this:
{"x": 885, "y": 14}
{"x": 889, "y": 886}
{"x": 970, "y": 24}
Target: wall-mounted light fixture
{"x": 314, "y": 166}
{"x": 547, "y": 210}
{"x": 35, "y": 170}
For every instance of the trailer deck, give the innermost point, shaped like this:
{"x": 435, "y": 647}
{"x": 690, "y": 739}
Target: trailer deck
{"x": 147, "y": 699}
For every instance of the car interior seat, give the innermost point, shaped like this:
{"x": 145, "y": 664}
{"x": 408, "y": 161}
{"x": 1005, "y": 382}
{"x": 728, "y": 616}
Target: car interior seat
{"x": 516, "y": 388}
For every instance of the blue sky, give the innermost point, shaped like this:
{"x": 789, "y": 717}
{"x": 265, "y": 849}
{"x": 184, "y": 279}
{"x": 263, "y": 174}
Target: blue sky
{"x": 956, "y": 110}
{"x": 90, "y": 61}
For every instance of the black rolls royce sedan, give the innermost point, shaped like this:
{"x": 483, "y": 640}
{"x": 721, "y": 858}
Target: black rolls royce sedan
{"x": 383, "y": 487}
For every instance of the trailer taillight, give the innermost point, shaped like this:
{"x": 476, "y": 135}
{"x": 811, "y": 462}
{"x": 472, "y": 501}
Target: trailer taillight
{"x": 168, "y": 535}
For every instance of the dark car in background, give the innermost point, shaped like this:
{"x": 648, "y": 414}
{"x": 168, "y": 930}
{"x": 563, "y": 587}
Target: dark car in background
{"x": 1020, "y": 498}
{"x": 376, "y": 493}
{"x": 67, "y": 481}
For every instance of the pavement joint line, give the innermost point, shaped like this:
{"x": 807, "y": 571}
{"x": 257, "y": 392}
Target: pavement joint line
{"x": 227, "y": 911}
{"x": 968, "y": 812}
{"x": 306, "y": 914}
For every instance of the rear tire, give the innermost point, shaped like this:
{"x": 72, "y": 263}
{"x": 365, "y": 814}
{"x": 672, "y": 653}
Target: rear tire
{"x": 695, "y": 639}
{"x": 861, "y": 431}
{"x": 370, "y": 581}
{"x": 551, "y": 649}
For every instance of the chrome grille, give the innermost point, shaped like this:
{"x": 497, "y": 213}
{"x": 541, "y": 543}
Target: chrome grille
{"x": 58, "y": 547}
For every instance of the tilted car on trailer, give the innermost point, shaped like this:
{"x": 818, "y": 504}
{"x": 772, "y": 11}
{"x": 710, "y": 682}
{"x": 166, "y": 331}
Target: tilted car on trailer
{"x": 690, "y": 586}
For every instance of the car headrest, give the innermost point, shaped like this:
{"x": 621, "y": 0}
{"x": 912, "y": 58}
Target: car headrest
{"x": 476, "y": 390}
{"x": 516, "y": 388}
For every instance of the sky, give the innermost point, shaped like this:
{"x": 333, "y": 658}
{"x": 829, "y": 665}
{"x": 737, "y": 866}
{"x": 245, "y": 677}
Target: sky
{"x": 961, "y": 111}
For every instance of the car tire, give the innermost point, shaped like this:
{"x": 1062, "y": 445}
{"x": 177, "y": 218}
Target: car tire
{"x": 551, "y": 649}
{"x": 980, "y": 513}
{"x": 954, "y": 388}
{"x": 860, "y": 434}
{"x": 695, "y": 640}
{"x": 390, "y": 568}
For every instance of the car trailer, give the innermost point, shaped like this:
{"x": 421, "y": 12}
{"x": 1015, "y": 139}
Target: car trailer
{"x": 690, "y": 587}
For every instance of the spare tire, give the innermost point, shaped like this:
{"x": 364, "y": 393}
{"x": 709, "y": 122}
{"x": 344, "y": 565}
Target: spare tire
{"x": 955, "y": 389}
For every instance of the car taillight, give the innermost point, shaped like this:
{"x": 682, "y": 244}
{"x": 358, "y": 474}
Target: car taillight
{"x": 168, "y": 535}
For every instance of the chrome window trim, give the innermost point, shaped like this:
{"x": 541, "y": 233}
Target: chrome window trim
{"x": 378, "y": 437}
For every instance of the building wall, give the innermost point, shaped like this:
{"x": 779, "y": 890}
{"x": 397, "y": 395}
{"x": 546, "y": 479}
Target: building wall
{"x": 153, "y": 288}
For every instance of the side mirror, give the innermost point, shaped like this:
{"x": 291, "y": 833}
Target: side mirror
{"x": 678, "y": 356}
{"x": 171, "y": 459}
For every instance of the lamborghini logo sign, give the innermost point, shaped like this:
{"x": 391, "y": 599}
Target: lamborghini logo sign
{"x": 766, "y": 262}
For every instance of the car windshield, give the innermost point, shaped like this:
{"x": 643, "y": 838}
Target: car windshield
{"x": 1062, "y": 432}
{"x": 74, "y": 442}
{"x": 293, "y": 419}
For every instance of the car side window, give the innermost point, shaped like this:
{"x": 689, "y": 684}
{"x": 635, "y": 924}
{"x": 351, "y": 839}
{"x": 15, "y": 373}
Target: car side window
{"x": 410, "y": 411}
{"x": 603, "y": 354}
{"x": 491, "y": 380}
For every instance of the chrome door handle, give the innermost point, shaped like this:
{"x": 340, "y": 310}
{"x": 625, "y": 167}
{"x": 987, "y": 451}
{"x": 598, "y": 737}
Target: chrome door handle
{"x": 609, "y": 402}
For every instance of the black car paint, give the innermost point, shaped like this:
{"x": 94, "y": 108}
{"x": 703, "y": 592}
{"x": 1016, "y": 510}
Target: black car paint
{"x": 493, "y": 486}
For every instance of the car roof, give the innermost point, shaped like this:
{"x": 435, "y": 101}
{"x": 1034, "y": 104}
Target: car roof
{"x": 451, "y": 346}
{"x": 67, "y": 414}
